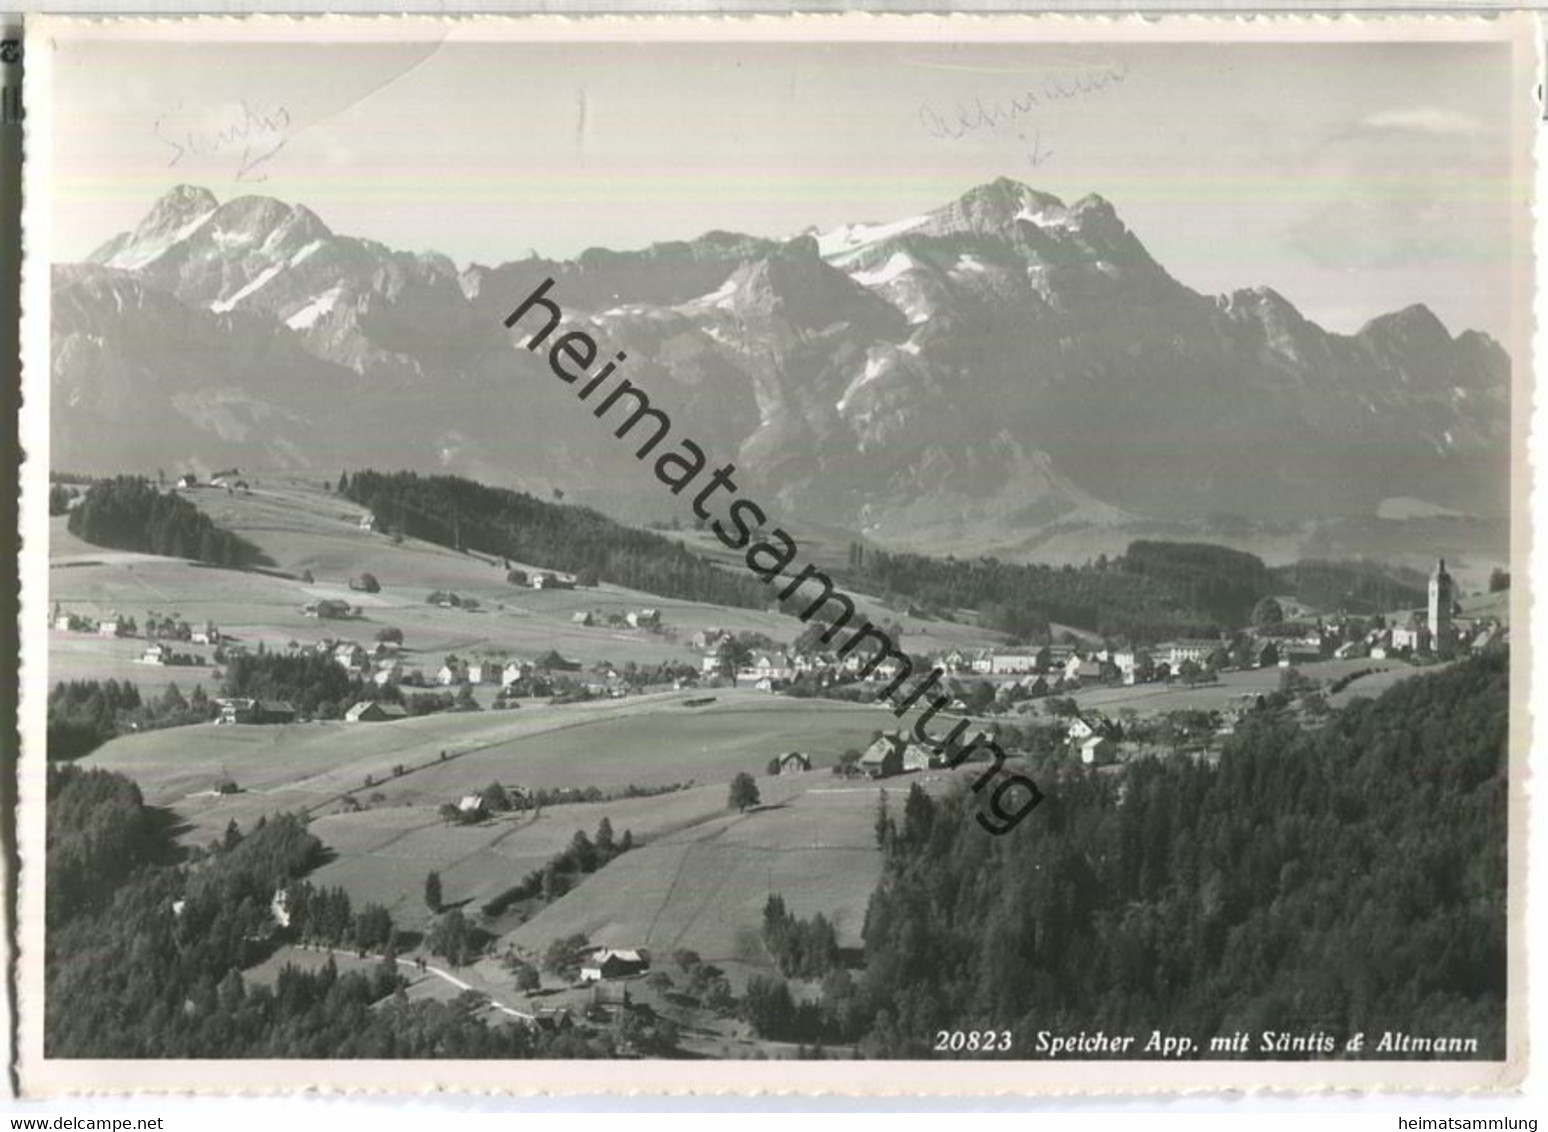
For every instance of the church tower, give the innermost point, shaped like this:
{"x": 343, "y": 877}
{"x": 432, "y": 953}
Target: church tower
{"x": 1442, "y": 595}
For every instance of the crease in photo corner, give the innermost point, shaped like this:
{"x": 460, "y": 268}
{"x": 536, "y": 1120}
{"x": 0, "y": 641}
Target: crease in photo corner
{"x": 397, "y": 1069}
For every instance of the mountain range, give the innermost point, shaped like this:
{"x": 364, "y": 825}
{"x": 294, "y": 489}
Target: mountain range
{"x": 1005, "y": 373}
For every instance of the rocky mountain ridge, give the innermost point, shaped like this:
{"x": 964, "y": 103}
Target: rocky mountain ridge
{"x": 1005, "y": 371}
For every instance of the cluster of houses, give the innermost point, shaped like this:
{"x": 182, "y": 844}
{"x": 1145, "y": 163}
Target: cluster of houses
{"x": 375, "y": 711}
{"x": 159, "y": 632}
{"x": 632, "y": 619}
{"x": 1092, "y": 737}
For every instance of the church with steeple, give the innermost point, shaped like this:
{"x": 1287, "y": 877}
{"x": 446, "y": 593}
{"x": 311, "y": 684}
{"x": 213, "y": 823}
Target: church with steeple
{"x": 1443, "y": 596}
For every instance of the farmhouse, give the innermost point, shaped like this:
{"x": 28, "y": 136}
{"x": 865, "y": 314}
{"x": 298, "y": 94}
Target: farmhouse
{"x": 1083, "y": 727}
{"x": 108, "y": 628}
{"x": 452, "y": 672}
{"x": 583, "y": 617}
{"x": 1265, "y": 654}
{"x": 551, "y": 661}
{"x": 1035, "y": 685}
{"x": 156, "y": 654}
{"x": 613, "y": 963}
{"x": 513, "y": 671}
{"x": 643, "y": 618}
{"x": 327, "y": 608}
{"x": 471, "y": 805}
{"x": 374, "y": 711}
{"x": 794, "y": 762}
{"x": 916, "y": 756}
{"x": 1134, "y": 664}
{"x": 1097, "y": 750}
{"x": 243, "y": 710}
{"x": 483, "y": 672}
{"x": 387, "y": 672}
{"x": 208, "y": 635}
{"x": 548, "y": 580}
{"x": 553, "y": 1018}
{"x": 1085, "y": 670}
{"x": 350, "y": 656}
{"x": 883, "y": 758}
{"x": 1059, "y": 656}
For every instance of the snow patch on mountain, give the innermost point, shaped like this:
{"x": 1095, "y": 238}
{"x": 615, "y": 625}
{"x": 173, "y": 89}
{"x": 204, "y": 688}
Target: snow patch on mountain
{"x": 899, "y": 264}
{"x": 321, "y": 305}
{"x": 228, "y": 239}
{"x": 721, "y": 298}
{"x": 220, "y": 306}
{"x": 142, "y": 252}
{"x": 305, "y": 253}
{"x": 1045, "y": 217}
{"x": 851, "y": 238}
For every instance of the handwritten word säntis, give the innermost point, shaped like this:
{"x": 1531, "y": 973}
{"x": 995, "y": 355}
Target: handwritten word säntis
{"x": 988, "y": 114}
{"x": 255, "y": 136}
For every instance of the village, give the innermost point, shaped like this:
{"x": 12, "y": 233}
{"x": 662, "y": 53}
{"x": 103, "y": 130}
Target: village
{"x": 1074, "y": 679}
{"x": 432, "y": 710}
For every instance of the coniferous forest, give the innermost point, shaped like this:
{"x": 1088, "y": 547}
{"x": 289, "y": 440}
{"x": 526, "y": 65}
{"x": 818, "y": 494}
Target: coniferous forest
{"x": 131, "y": 513}
{"x": 465, "y": 515}
{"x": 144, "y": 955}
{"x": 1351, "y": 878}
{"x": 1153, "y": 591}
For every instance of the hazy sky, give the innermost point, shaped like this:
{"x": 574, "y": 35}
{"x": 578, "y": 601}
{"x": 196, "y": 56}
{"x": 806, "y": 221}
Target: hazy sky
{"x": 1354, "y": 179}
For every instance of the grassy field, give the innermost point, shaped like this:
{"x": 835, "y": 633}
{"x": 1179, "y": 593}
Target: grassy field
{"x": 384, "y": 853}
{"x": 704, "y": 887}
{"x": 642, "y": 740}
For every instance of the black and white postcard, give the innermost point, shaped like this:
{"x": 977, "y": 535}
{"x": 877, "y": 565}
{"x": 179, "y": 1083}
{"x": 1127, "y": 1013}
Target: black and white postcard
{"x": 852, "y": 554}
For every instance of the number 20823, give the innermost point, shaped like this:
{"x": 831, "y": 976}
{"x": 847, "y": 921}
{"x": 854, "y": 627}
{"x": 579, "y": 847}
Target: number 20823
{"x": 973, "y": 1041}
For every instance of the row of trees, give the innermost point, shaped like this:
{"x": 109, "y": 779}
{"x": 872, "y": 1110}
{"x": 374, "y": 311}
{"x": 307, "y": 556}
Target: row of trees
{"x": 562, "y": 872}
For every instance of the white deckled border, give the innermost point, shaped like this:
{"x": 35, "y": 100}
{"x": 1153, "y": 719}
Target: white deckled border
{"x": 43, "y": 1076}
